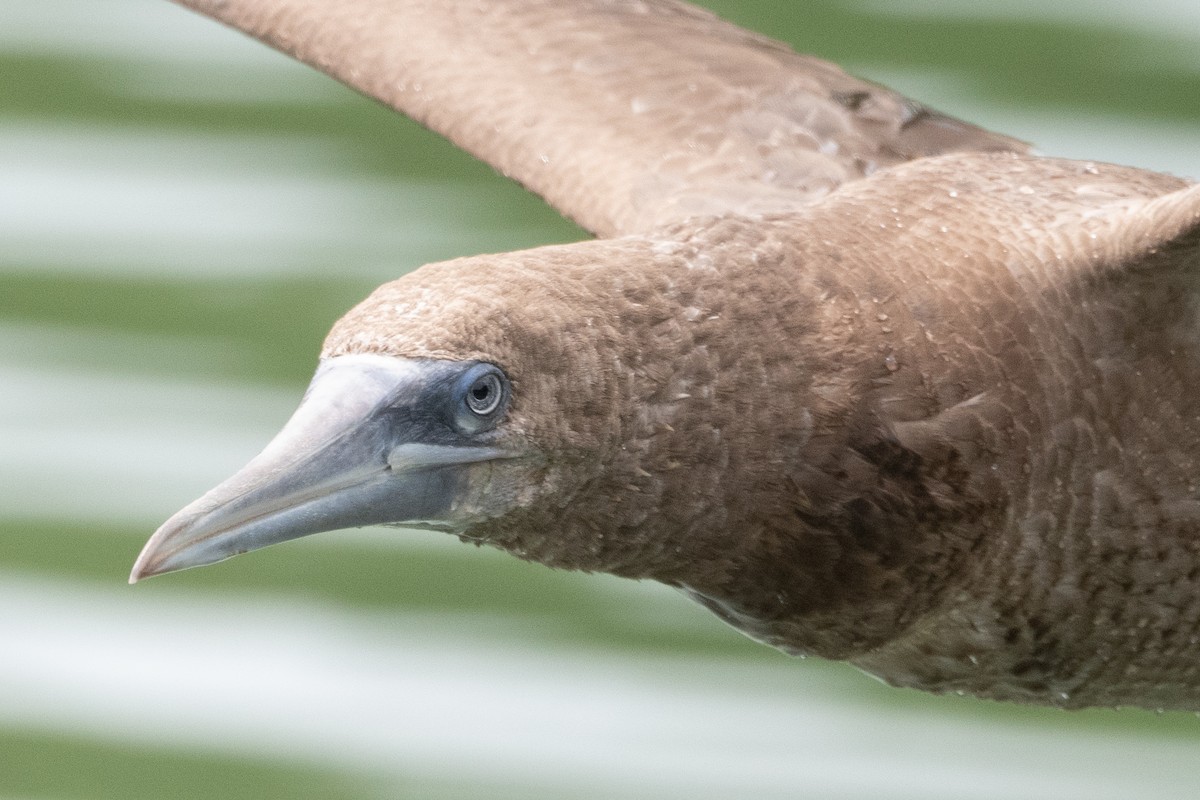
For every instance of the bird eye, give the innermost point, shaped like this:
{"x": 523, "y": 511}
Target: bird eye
{"x": 482, "y": 392}
{"x": 484, "y": 395}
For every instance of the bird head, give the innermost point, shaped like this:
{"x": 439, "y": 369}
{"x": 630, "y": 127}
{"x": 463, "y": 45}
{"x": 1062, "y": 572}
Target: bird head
{"x": 454, "y": 398}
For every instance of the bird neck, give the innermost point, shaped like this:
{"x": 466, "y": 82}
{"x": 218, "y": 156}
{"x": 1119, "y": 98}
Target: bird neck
{"x": 748, "y": 461}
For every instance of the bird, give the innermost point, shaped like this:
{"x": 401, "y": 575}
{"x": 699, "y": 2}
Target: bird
{"x": 869, "y": 382}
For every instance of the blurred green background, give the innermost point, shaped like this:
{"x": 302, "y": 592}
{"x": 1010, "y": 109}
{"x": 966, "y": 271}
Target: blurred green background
{"x": 183, "y": 214}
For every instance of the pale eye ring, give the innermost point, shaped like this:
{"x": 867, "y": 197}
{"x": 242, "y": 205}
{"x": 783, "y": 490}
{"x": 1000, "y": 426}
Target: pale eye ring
{"x": 484, "y": 395}
{"x": 480, "y": 397}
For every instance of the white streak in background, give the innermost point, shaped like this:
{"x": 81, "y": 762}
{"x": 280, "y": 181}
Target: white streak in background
{"x": 1177, "y": 18}
{"x": 1162, "y": 146}
{"x": 1150, "y": 144}
{"x": 152, "y": 29}
{"x": 457, "y": 698}
{"x": 122, "y": 202}
{"x": 128, "y": 29}
{"x": 111, "y": 447}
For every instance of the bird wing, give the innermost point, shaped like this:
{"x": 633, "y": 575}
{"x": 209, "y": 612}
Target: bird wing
{"x": 624, "y": 114}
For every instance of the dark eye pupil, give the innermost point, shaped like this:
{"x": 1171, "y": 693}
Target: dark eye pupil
{"x": 481, "y": 391}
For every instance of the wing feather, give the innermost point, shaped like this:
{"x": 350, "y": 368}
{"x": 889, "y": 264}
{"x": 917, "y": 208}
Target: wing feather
{"x": 623, "y": 114}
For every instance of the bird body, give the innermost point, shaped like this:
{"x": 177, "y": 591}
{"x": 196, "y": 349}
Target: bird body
{"x": 870, "y": 383}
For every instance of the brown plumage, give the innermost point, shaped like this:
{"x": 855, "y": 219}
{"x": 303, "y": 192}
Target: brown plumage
{"x": 868, "y": 382}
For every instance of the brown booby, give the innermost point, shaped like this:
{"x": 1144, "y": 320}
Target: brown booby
{"x": 868, "y": 382}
